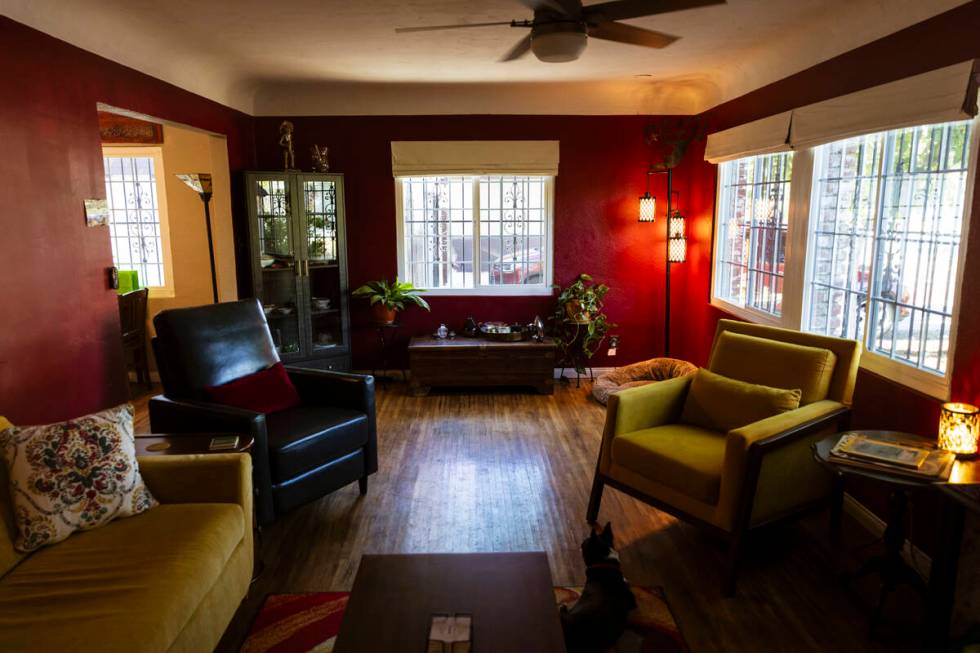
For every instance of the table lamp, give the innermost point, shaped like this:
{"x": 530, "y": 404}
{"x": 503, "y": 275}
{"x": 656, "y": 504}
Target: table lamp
{"x": 959, "y": 424}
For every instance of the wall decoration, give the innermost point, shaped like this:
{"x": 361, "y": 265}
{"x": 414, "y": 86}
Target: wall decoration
{"x": 96, "y": 213}
{"x": 320, "y": 161}
{"x": 115, "y": 129}
{"x": 286, "y": 143}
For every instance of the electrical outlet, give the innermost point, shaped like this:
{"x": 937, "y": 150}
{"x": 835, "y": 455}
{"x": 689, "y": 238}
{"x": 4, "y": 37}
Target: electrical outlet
{"x": 611, "y": 352}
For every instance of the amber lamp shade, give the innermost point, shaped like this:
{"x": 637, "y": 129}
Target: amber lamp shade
{"x": 648, "y": 207}
{"x": 959, "y": 425}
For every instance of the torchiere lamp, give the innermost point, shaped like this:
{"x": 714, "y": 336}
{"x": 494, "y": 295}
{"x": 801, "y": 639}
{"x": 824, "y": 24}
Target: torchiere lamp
{"x": 200, "y": 182}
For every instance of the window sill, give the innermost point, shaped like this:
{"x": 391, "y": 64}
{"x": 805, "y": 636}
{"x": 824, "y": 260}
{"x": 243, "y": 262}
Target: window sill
{"x": 747, "y": 314}
{"x": 161, "y": 292}
{"x": 902, "y": 374}
{"x": 498, "y": 291}
{"x": 927, "y": 383}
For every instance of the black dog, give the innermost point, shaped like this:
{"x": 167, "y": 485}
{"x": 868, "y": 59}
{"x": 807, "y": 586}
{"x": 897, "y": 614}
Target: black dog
{"x": 598, "y": 618}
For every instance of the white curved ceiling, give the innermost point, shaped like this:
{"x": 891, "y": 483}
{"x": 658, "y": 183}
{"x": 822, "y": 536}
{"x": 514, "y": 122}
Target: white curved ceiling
{"x": 323, "y": 57}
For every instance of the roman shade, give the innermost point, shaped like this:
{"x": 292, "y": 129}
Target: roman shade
{"x": 763, "y": 136}
{"x": 941, "y": 95}
{"x": 419, "y": 158}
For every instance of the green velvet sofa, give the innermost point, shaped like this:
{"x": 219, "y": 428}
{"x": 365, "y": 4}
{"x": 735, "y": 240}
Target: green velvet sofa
{"x": 169, "y": 579}
{"x": 730, "y": 482}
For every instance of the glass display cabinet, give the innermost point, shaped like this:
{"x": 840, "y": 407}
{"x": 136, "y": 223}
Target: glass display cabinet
{"x": 299, "y": 264}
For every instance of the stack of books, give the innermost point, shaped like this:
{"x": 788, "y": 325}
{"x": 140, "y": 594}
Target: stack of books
{"x": 911, "y": 459}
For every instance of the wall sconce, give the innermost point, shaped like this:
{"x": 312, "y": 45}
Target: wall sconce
{"x": 959, "y": 425}
{"x": 676, "y": 238}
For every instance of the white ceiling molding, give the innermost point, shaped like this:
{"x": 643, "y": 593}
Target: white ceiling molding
{"x": 301, "y": 56}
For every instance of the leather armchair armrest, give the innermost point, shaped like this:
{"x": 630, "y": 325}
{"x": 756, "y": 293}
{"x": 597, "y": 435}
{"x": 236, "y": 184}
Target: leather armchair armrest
{"x": 642, "y": 407}
{"x": 346, "y": 390}
{"x": 202, "y": 478}
{"x": 331, "y": 388}
{"x": 187, "y": 416}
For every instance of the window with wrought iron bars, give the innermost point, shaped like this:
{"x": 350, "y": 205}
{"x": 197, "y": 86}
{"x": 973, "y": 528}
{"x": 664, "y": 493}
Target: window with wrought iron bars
{"x": 753, "y": 216}
{"x": 869, "y": 244}
{"x": 484, "y": 234}
{"x": 885, "y": 229}
{"x": 136, "y": 199}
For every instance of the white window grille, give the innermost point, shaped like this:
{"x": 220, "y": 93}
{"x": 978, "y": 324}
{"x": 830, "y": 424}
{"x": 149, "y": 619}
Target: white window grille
{"x": 885, "y": 228}
{"x": 135, "y": 200}
{"x": 753, "y": 217}
{"x": 441, "y": 218}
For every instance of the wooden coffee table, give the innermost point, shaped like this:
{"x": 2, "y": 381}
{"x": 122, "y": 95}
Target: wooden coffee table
{"x": 510, "y": 596}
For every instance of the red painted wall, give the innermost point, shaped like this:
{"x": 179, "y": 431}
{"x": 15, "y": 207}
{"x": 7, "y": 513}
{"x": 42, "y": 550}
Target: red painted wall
{"x": 601, "y": 175}
{"x": 59, "y": 342}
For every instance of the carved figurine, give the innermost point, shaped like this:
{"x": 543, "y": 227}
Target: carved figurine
{"x": 320, "y": 161}
{"x": 286, "y": 143}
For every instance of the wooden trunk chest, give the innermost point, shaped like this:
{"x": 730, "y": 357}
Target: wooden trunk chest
{"x": 479, "y": 362}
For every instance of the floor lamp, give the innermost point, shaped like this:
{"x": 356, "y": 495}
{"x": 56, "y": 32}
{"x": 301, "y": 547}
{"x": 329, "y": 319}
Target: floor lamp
{"x": 200, "y": 182}
{"x": 676, "y": 236}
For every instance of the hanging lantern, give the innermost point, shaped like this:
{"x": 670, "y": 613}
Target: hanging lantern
{"x": 677, "y": 238}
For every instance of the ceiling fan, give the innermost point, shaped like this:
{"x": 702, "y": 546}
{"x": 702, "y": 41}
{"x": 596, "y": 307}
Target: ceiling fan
{"x": 560, "y": 29}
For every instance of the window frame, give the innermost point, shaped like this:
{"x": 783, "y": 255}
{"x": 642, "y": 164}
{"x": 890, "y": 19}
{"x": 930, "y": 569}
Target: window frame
{"x": 168, "y": 290}
{"x": 503, "y": 290}
{"x": 795, "y": 293}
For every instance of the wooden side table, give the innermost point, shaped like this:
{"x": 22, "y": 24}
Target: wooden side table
{"x": 938, "y": 594}
{"x": 182, "y": 444}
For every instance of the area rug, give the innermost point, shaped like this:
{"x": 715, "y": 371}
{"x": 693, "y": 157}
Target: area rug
{"x": 309, "y": 623}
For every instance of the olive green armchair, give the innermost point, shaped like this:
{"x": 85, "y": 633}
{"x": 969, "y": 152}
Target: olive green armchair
{"x": 748, "y": 476}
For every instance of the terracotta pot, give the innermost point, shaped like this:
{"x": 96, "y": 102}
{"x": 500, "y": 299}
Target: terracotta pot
{"x": 383, "y": 314}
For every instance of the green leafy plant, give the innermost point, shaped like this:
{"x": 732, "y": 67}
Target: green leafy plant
{"x": 393, "y": 296}
{"x": 578, "y": 324}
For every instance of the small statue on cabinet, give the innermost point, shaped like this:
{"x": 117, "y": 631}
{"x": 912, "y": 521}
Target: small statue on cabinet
{"x": 320, "y": 161}
{"x": 286, "y": 143}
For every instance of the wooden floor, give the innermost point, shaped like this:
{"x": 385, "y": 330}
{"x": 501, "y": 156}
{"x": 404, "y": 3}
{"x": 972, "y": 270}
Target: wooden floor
{"x": 462, "y": 472}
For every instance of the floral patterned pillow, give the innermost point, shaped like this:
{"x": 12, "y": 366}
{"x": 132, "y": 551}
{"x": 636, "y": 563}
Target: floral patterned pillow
{"x": 73, "y": 476}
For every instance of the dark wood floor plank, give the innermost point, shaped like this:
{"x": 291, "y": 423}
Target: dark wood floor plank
{"x": 501, "y": 471}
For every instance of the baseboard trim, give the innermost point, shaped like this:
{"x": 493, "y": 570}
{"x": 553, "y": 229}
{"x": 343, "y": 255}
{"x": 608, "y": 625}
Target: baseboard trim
{"x": 875, "y": 525}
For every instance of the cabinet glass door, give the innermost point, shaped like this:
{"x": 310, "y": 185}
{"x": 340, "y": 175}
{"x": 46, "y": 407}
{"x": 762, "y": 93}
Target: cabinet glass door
{"x": 277, "y": 273}
{"x": 324, "y": 284}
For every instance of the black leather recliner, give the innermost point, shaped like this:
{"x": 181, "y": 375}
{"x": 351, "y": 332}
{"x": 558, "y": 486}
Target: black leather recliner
{"x": 300, "y": 454}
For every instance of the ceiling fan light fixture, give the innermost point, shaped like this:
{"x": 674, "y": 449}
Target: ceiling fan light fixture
{"x": 559, "y": 46}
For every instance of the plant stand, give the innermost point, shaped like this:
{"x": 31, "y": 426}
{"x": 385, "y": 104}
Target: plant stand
{"x": 573, "y": 354}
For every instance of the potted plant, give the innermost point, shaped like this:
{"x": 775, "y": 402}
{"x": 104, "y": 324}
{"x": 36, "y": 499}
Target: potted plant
{"x": 578, "y": 323}
{"x": 389, "y": 298}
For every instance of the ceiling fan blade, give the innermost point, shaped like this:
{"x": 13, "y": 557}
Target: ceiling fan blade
{"x": 626, "y": 9}
{"x": 571, "y": 8}
{"x": 432, "y": 28}
{"x": 623, "y": 33}
{"x": 519, "y": 50}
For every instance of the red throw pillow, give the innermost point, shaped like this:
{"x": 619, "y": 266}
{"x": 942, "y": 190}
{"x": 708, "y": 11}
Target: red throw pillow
{"x": 265, "y": 391}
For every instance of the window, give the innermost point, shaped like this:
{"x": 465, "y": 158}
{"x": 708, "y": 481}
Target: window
{"x": 878, "y": 221}
{"x": 885, "y": 231}
{"x": 753, "y": 215}
{"x": 137, "y": 215}
{"x": 476, "y": 234}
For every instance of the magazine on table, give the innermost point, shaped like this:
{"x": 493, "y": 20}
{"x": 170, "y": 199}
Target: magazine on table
{"x": 912, "y": 459}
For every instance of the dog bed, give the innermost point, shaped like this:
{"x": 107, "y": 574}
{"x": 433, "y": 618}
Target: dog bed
{"x": 630, "y": 376}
